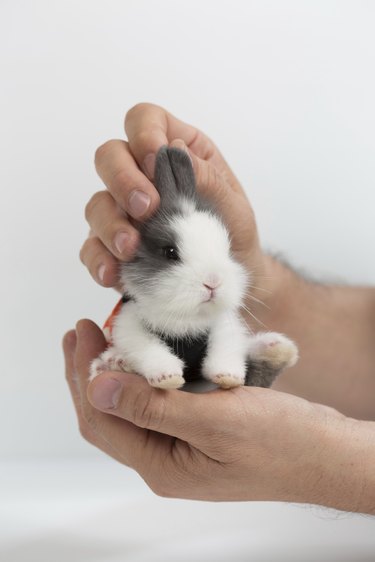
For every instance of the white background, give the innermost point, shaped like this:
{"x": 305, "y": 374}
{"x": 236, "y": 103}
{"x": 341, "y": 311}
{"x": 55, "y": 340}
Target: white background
{"x": 286, "y": 89}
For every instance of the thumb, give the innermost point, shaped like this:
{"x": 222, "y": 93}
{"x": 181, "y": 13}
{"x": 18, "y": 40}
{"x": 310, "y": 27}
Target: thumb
{"x": 172, "y": 412}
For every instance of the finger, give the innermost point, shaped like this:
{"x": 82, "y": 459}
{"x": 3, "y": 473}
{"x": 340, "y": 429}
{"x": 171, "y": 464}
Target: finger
{"x": 211, "y": 183}
{"x": 130, "y": 188}
{"x": 102, "y": 265}
{"x": 69, "y": 347}
{"x": 135, "y": 446}
{"x": 149, "y": 126}
{"x": 111, "y": 226}
{"x": 186, "y": 416}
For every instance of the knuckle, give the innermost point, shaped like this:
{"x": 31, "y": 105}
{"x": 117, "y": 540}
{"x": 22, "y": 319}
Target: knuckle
{"x": 176, "y": 483}
{"x": 92, "y": 254}
{"x": 142, "y": 138}
{"x": 85, "y": 431}
{"x": 84, "y": 251}
{"x": 147, "y": 411}
{"x": 177, "y": 478}
{"x": 90, "y": 420}
{"x": 103, "y": 150}
{"x": 121, "y": 183}
{"x": 213, "y": 177}
{"x": 211, "y": 180}
{"x": 160, "y": 488}
{"x": 137, "y": 109}
{"x": 95, "y": 202}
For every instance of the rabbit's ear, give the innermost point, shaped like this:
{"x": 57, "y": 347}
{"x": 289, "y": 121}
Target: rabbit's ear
{"x": 174, "y": 175}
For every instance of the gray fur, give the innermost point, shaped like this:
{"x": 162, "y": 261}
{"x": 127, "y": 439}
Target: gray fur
{"x": 261, "y": 373}
{"x": 174, "y": 176}
{"x": 174, "y": 179}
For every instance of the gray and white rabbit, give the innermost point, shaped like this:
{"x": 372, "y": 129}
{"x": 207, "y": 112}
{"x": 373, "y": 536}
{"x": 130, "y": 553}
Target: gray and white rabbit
{"x": 180, "y": 317}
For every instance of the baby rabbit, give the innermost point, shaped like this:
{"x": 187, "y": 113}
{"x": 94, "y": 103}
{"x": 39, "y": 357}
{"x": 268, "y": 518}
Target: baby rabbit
{"x": 180, "y": 315}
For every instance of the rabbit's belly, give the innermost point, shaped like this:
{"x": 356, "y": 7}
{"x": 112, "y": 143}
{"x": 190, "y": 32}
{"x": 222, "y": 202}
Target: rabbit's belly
{"x": 192, "y": 350}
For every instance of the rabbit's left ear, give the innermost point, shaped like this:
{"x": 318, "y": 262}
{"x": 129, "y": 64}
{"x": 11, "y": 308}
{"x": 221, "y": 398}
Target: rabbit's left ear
{"x": 174, "y": 175}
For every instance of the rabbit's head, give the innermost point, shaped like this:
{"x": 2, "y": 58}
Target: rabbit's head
{"x": 183, "y": 274}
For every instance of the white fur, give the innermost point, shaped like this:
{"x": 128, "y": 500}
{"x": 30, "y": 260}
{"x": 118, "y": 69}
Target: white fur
{"x": 227, "y": 350}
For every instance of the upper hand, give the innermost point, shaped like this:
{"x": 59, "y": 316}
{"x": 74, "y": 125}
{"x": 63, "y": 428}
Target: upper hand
{"x": 127, "y": 169}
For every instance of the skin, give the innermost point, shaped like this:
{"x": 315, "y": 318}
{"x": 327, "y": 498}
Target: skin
{"x": 333, "y": 327}
{"x": 268, "y": 446}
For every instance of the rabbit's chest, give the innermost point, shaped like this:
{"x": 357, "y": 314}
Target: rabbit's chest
{"x": 191, "y": 350}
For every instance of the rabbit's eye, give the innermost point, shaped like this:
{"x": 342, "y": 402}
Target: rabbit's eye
{"x": 170, "y": 253}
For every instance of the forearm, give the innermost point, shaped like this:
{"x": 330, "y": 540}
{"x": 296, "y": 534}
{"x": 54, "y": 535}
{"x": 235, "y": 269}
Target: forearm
{"x": 334, "y": 328}
{"x": 344, "y": 474}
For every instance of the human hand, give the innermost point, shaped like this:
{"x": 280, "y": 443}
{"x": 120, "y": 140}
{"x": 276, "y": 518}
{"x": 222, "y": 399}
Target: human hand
{"x": 127, "y": 168}
{"x": 242, "y": 444}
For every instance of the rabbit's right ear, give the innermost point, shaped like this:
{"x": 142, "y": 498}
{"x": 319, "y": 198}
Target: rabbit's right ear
{"x": 174, "y": 175}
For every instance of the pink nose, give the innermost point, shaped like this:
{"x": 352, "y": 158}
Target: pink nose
{"x": 212, "y": 285}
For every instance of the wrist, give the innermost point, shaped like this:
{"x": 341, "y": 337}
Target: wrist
{"x": 334, "y": 329}
{"x": 358, "y": 461}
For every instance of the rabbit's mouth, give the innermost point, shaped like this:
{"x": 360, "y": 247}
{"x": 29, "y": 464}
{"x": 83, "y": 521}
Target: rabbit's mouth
{"x": 210, "y": 296}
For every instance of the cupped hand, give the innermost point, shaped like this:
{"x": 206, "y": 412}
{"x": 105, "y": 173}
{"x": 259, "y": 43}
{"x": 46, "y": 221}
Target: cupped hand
{"x": 241, "y": 444}
{"x": 127, "y": 170}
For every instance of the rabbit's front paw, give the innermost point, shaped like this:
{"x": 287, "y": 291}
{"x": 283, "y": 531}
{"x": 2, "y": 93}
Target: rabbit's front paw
{"x": 166, "y": 381}
{"x": 228, "y": 380}
{"x": 109, "y": 360}
{"x": 165, "y": 371}
{"x": 275, "y": 349}
{"x": 226, "y": 376}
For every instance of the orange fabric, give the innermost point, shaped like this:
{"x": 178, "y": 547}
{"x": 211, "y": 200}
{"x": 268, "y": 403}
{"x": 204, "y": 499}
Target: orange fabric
{"x": 108, "y": 324}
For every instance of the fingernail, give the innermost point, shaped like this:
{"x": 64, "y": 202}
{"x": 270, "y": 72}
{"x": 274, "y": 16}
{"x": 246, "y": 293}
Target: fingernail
{"x": 149, "y": 165}
{"x": 139, "y": 202}
{"x": 101, "y": 272}
{"x": 106, "y": 394}
{"x": 121, "y": 241}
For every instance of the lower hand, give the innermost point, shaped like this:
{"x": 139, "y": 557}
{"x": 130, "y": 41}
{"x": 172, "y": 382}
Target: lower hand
{"x": 242, "y": 444}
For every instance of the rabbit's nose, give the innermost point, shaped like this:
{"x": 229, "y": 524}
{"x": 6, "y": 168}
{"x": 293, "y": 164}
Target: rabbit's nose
{"x": 212, "y": 286}
{"x": 213, "y": 282}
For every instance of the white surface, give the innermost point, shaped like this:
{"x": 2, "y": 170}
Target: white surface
{"x": 99, "y": 511}
{"x": 286, "y": 89}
